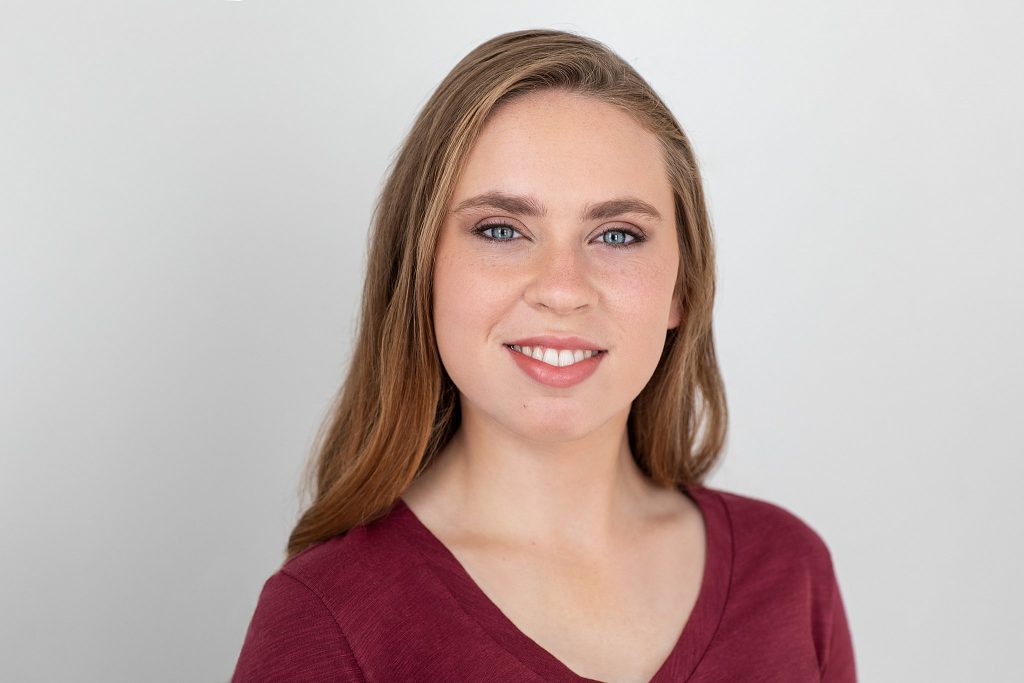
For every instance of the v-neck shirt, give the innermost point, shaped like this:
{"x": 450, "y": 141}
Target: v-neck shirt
{"x": 388, "y": 601}
{"x": 682, "y": 659}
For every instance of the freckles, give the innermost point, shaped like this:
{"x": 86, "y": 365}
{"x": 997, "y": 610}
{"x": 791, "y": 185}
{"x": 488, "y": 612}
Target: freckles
{"x": 632, "y": 275}
{"x": 506, "y": 267}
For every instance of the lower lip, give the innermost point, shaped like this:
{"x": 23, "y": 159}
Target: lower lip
{"x": 556, "y": 377}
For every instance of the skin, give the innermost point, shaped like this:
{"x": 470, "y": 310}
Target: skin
{"x": 539, "y": 482}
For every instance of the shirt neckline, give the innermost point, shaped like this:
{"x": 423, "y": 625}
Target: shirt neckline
{"x": 694, "y": 638}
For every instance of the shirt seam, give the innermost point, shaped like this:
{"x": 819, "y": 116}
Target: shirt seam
{"x": 334, "y": 618}
{"x": 728, "y": 585}
{"x": 827, "y": 659}
{"x": 458, "y": 603}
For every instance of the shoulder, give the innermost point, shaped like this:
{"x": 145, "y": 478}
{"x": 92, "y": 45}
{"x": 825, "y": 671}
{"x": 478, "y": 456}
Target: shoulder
{"x": 782, "y": 573}
{"x": 356, "y": 564}
{"x": 311, "y": 614}
{"x": 294, "y": 635}
{"x": 765, "y": 531}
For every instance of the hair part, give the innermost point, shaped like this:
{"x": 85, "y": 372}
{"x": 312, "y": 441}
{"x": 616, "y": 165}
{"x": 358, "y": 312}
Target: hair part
{"x": 398, "y": 407}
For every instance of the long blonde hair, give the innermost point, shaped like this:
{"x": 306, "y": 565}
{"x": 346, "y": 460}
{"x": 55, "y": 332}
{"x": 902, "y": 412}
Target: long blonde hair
{"x": 398, "y": 407}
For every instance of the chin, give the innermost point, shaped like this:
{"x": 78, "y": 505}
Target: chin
{"x": 554, "y": 426}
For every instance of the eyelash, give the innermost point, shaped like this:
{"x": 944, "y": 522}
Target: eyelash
{"x": 637, "y": 236}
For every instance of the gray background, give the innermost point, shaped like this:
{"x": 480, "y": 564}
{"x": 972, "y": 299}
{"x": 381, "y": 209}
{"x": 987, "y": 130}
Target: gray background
{"x": 186, "y": 189}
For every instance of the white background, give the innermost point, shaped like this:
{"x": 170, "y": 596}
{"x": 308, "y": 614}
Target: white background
{"x": 185, "y": 190}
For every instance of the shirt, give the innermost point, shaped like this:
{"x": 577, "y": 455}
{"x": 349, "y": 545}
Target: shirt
{"x": 388, "y": 601}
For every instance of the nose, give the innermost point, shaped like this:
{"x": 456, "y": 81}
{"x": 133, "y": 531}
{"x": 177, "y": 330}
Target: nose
{"x": 560, "y": 282}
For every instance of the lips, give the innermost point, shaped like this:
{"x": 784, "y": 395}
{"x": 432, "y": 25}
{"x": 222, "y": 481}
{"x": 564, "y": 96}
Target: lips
{"x": 552, "y": 342}
{"x": 557, "y": 377}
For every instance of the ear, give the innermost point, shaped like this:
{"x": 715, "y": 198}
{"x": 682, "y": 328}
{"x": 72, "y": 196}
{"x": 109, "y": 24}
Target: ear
{"x": 675, "y": 315}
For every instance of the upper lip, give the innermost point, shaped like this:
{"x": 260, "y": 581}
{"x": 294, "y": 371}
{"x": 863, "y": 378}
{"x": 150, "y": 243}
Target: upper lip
{"x": 551, "y": 342}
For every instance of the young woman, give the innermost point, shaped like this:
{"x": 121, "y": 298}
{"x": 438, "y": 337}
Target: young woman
{"x": 509, "y": 486}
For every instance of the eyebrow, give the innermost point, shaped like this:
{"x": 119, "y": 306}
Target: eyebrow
{"x": 524, "y": 205}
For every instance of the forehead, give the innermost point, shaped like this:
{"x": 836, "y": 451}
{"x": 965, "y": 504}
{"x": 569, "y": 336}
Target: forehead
{"x": 566, "y": 150}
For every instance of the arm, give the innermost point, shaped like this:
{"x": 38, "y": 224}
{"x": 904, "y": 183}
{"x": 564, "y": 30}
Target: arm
{"x": 292, "y": 637}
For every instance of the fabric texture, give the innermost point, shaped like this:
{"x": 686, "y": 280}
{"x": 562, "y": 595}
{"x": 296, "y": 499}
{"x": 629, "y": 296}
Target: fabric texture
{"x": 389, "y": 602}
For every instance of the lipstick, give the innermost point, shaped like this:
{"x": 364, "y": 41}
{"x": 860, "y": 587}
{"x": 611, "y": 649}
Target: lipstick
{"x": 558, "y": 377}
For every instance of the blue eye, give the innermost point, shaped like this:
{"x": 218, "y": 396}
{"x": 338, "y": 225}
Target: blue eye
{"x": 620, "y": 238}
{"x": 502, "y": 233}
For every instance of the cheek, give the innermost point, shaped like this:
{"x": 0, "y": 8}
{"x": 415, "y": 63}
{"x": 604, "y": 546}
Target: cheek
{"x": 640, "y": 290}
{"x": 464, "y": 302}
{"x": 640, "y": 300}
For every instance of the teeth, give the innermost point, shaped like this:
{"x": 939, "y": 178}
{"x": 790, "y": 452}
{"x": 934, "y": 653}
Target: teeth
{"x": 558, "y": 358}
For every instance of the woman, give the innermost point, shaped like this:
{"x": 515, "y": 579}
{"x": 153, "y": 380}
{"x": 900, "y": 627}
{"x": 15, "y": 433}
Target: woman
{"x": 509, "y": 486}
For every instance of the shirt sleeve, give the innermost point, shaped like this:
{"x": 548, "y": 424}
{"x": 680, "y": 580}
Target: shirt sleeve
{"x": 294, "y": 637}
{"x": 839, "y": 666}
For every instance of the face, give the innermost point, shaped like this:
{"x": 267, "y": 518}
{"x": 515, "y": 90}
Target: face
{"x": 562, "y": 225}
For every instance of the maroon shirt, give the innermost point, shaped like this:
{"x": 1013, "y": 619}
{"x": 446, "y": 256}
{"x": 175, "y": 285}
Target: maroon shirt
{"x": 389, "y": 602}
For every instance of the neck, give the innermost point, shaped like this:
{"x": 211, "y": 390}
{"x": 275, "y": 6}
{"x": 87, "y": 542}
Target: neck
{"x": 585, "y": 493}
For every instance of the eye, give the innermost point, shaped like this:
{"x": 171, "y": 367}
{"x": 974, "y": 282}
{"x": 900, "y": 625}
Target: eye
{"x": 500, "y": 232}
{"x": 619, "y": 238}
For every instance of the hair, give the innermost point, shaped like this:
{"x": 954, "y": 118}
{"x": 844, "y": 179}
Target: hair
{"x": 398, "y": 407}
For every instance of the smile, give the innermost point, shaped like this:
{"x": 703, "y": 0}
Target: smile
{"x": 558, "y": 358}
{"x": 557, "y": 368}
